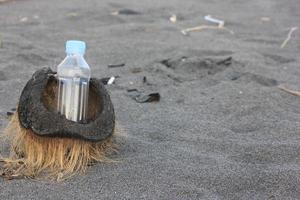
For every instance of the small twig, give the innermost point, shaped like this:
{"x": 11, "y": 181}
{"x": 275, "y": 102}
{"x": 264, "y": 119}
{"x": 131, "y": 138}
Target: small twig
{"x": 293, "y": 92}
{"x": 203, "y": 27}
{"x": 288, "y": 36}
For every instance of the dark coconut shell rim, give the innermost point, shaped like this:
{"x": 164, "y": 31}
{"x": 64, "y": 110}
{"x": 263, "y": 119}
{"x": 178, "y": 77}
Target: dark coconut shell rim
{"x": 44, "y": 122}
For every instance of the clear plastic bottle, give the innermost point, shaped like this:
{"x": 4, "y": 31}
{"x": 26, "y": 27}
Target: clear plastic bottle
{"x": 73, "y": 77}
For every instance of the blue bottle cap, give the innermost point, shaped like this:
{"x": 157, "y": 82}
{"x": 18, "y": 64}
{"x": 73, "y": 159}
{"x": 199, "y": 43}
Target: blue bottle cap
{"x": 75, "y": 47}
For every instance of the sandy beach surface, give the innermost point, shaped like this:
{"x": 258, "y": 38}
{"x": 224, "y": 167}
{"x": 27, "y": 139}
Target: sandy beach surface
{"x": 222, "y": 128}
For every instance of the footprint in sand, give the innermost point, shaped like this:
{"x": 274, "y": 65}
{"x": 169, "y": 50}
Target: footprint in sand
{"x": 190, "y": 66}
{"x": 278, "y": 59}
{"x": 187, "y": 68}
{"x": 247, "y": 77}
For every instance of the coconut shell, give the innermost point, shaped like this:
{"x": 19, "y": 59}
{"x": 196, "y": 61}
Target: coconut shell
{"x": 37, "y": 110}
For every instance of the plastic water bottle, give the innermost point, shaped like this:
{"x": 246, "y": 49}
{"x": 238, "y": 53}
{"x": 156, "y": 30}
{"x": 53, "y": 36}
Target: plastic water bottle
{"x": 73, "y": 87}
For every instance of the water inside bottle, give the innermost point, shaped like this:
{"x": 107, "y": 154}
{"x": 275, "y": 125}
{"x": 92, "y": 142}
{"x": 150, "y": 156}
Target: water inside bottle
{"x": 73, "y": 98}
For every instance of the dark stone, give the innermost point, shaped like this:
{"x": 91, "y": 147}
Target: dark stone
{"x": 37, "y": 110}
{"x": 128, "y": 12}
{"x": 145, "y": 98}
{"x": 9, "y": 113}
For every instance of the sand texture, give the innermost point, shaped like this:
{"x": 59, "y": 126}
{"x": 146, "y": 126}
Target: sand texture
{"x": 222, "y": 128}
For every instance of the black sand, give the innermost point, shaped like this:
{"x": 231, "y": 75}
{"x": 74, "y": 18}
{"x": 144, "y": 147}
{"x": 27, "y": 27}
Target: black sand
{"x": 220, "y": 131}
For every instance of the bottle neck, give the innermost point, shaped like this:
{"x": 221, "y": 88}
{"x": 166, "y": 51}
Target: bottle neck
{"x": 75, "y": 54}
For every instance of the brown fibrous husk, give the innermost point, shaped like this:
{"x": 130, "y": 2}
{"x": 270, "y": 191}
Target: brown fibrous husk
{"x": 52, "y": 158}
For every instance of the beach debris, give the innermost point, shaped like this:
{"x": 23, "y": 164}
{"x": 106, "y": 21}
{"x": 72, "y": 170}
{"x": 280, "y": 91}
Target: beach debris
{"x": 111, "y": 80}
{"x": 116, "y": 65}
{"x": 293, "y": 92}
{"x": 125, "y": 12}
{"x": 108, "y": 80}
{"x": 220, "y": 26}
{"x": 265, "y": 19}
{"x": 214, "y": 20}
{"x": 173, "y": 18}
{"x": 288, "y": 37}
{"x": 141, "y": 97}
{"x": 204, "y": 27}
{"x": 54, "y": 161}
{"x": 146, "y": 98}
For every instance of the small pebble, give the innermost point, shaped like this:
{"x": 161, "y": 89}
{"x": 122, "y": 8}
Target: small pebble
{"x": 9, "y": 113}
